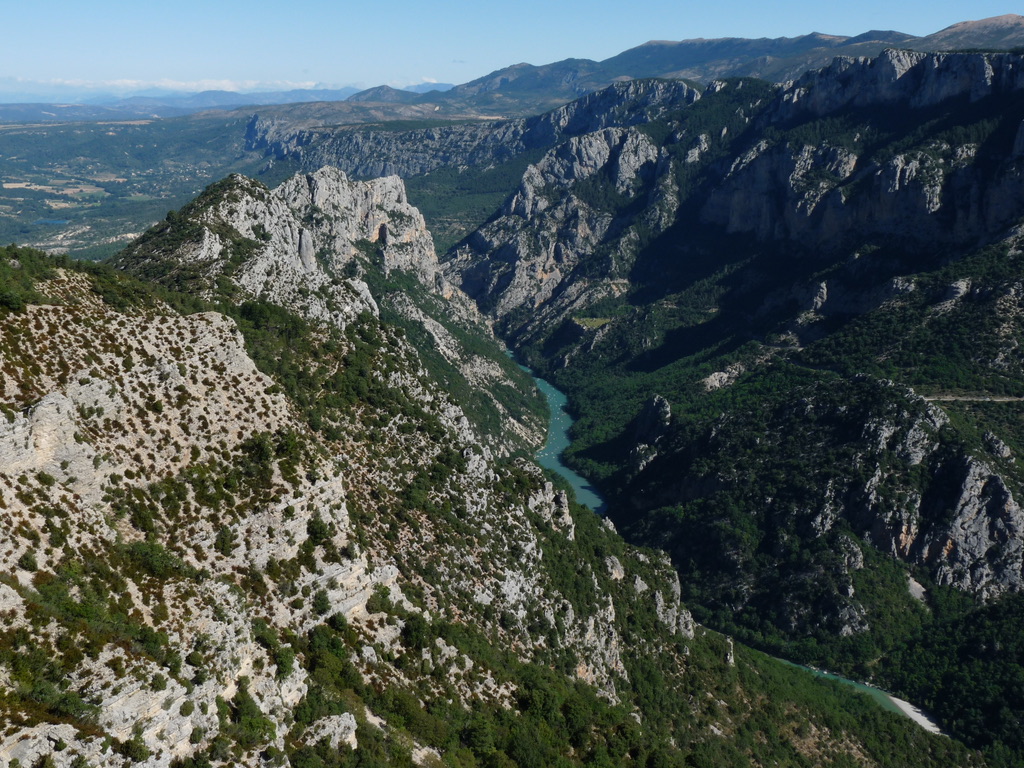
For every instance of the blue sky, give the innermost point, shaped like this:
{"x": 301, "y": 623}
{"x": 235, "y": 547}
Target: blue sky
{"x": 256, "y": 45}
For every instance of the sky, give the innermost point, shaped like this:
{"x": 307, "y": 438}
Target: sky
{"x": 190, "y": 45}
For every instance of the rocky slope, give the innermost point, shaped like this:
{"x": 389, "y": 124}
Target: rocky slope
{"x": 262, "y": 533}
{"x": 176, "y": 526}
{"x": 306, "y": 246}
{"x": 172, "y": 518}
{"x": 267, "y": 535}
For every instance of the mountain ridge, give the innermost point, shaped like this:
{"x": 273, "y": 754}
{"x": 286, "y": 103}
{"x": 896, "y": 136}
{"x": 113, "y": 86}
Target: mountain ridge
{"x": 527, "y": 88}
{"x": 775, "y": 59}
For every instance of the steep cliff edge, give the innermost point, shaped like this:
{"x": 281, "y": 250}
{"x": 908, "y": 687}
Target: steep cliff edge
{"x": 309, "y": 246}
{"x": 372, "y": 152}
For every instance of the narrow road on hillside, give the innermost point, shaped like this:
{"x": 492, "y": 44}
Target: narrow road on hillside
{"x": 974, "y": 399}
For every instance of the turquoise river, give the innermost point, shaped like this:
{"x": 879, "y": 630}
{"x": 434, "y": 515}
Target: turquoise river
{"x": 550, "y": 457}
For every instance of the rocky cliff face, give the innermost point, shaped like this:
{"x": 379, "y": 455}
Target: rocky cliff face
{"x": 533, "y": 267}
{"x": 886, "y": 467}
{"x": 899, "y": 77}
{"x": 826, "y": 193}
{"x": 766, "y": 175}
{"x": 273, "y": 244}
{"x": 372, "y": 153}
{"x": 342, "y": 213}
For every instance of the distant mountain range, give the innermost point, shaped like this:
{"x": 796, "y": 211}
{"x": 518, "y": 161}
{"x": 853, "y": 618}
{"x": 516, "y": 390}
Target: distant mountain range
{"x": 179, "y": 104}
{"x": 775, "y": 59}
{"x": 523, "y": 89}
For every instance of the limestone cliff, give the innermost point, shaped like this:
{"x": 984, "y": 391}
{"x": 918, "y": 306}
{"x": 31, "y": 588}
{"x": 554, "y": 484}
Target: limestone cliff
{"x": 365, "y": 152}
{"x": 532, "y": 265}
{"x": 309, "y": 245}
{"x": 826, "y": 193}
{"x": 898, "y": 77}
{"x": 273, "y": 244}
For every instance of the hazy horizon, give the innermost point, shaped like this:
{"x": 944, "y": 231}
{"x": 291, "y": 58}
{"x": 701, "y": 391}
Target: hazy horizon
{"x": 75, "y": 52}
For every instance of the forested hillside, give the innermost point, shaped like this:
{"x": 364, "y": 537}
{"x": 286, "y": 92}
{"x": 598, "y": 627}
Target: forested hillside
{"x": 788, "y": 319}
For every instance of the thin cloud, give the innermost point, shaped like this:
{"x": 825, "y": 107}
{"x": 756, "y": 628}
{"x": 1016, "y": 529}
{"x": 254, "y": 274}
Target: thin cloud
{"x": 164, "y": 84}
